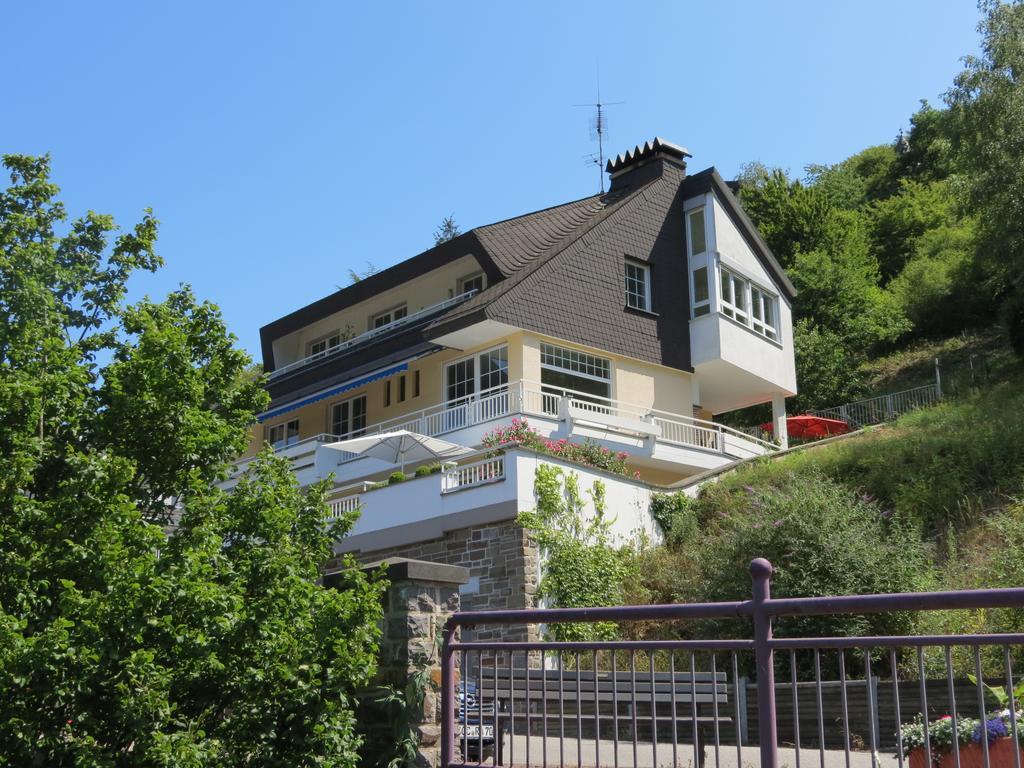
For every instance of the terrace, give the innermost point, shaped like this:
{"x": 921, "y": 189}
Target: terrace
{"x": 654, "y": 439}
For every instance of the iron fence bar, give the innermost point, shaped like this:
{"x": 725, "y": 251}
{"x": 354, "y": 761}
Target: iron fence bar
{"x": 494, "y": 702}
{"x": 872, "y": 714}
{"x": 615, "y": 711}
{"x": 675, "y": 716}
{"x": 896, "y": 704}
{"x": 526, "y": 711}
{"x": 1013, "y": 704}
{"x": 579, "y": 713}
{"x": 924, "y": 705}
{"x": 736, "y": 708}
{"x": 479, "y": 706}
{"x": 796, "y": 705}
{"x": 723, "y": 610}
{"x": 895, "y": 641}
{"x": 618, "y": 645}
{"x": 982, "y": 714}
{"x": 511, "y": 708}
{"x": 845, "y": 708}
{"x": 447, "y": 698}
{"x": 1012, "y": 597}
{"x": 714, "y": 708}
{"x": 951, "y": 692}
{"x": 597, "y": 717}
{"x": 561, "y": 710}
{"x": 760, "y": 572}
{"x": 821, "y": 709}
{"x": 632, "y": 710}
{"x": 697, "y": 746}
{"x": 544, "y": 705}
{"x": 654, "y": 711}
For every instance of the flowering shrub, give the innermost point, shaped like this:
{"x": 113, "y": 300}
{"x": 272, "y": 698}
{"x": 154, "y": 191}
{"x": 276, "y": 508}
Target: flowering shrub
{"x": 520, "y": 434}
{"x": 968, "y": 730}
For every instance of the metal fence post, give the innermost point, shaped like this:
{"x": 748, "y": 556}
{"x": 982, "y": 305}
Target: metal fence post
{"x": 447, "y": 696}
{"x": 938, "y": 377}
{"x": 760, "y": 573}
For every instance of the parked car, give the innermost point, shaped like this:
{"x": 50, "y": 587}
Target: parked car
{"x": 475, "y": 724}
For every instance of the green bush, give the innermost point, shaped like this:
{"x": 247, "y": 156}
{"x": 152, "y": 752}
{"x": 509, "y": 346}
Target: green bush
{"x": 428, "y": 469}
{"x": 397, "y": 477}
{"x": 821, "y": 538}
{"x": 676, "y": 514}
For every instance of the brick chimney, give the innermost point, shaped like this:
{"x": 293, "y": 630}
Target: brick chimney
{"x": 645, "y": 162}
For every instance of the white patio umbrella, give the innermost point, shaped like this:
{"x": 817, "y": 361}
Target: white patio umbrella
{"x": 401, "y": 446}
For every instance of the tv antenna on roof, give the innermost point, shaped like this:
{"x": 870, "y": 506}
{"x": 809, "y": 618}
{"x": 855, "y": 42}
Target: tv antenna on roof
{"x": 598, "y": 131}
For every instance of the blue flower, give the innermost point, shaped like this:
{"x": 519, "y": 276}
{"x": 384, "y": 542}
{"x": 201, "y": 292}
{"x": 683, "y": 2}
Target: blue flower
{"x": 994, "y": 729}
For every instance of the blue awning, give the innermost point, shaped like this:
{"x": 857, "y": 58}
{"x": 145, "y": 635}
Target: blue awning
{"x": 347, "y": 386}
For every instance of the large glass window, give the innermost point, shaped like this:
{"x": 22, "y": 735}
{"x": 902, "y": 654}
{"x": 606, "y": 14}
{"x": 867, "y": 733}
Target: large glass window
{"x": 348, "y": 418}
{"x": 563, "y": 369}
{"x": 698, "y": 233}
{"x": 283, "y": 435}
{"x": 700, "y": 266}
{"x": 734, "y": 295}
{"x": 638, "y": 286}
{"x": 764, "y": 312}
{"x": 485, "y": 373}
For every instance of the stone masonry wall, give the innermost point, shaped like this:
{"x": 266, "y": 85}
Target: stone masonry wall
{"x": 503, "y": 566}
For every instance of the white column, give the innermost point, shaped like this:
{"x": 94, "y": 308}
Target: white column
{"x": 779, "y": 420}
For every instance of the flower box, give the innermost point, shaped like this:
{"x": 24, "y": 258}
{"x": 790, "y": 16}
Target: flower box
{"x": 1000, "y": 755}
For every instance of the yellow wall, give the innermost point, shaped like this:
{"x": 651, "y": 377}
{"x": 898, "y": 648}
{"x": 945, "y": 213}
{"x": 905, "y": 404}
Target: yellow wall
{"x": 633, "y": 382}
{"x": 424, "y": 291}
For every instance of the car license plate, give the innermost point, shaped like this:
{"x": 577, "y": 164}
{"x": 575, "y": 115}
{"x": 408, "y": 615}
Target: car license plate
{"x": 473, "y": 731}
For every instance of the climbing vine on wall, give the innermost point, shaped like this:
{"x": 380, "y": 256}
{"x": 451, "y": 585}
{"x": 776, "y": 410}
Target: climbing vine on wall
{"x": 580, "y": 567}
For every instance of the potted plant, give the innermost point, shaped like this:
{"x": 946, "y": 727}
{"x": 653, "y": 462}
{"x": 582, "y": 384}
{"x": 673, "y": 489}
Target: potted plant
{"x": 969, "y": 736}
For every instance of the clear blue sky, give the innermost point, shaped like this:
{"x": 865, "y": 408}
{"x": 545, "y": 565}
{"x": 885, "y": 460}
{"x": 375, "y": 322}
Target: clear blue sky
{"x": 281, "y": 144}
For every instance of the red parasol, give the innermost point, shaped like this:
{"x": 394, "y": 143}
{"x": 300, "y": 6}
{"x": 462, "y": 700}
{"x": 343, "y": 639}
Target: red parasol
{"x": 807, "y": 426}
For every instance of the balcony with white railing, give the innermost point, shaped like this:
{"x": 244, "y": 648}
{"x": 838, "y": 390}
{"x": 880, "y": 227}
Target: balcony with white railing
{"x": 371, "y": 335}
{"x": 653, "y": 438}
{"x": 484, "y": 488}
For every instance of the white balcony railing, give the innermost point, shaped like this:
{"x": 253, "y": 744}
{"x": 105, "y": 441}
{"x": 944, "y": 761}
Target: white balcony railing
{"x": 528, "y": 398}
{"x": 362, "y": 338}
{"x": 488, "y": 470}
{"x": 343, "y": 505}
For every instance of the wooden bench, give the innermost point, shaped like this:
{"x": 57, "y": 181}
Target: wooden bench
{"x": 609, "y": 704}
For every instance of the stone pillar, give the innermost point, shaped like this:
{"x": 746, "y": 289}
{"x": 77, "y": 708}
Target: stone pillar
{"x": 779, "y": 420}
{"x": 421, "y": 596}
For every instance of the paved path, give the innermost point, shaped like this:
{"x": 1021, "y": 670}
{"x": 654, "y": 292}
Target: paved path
{"x": 684, "y": 756}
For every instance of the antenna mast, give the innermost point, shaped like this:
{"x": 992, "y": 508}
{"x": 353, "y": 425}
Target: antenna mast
{"x": 598, "y": 129}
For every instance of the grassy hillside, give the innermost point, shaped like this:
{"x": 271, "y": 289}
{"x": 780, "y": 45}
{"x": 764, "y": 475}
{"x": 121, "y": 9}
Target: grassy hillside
{"x": 933, "y": 501}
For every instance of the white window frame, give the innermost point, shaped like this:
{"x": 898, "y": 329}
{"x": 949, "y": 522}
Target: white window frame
{"x": 475, "y": 357}
{"x": 587, "y": 360}
{"x": 760, "y": 299}
{"x": 733, "y": 284}
{"x": 328, "y": 340}
{"x": 644, "y": 297}
{"x": 285, "y": 440}
{"x": 350, "y": 401}
{"x": 470, "y": 278}
{"x": 390, "y": 315}
{"x": 698, "y": 260}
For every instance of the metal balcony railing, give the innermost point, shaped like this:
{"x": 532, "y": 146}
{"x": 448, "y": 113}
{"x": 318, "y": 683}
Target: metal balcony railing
{"x": 374, "y": 333}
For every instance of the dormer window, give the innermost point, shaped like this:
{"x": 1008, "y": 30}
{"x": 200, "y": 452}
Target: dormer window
{"x": 734, "y": 296}
{"x": 385, "y": 318}
{"x": 324, "y": 343}
{"x": 473, "y": 282}
{"x": 638, "y": 286}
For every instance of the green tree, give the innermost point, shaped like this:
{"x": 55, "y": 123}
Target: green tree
{"x": 448, "y": 230}
{"x": 125, "y": 640}
{"x": 987, "y": 100}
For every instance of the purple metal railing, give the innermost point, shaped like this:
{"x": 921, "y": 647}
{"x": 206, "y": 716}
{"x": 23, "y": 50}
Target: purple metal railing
{"x": 481, "y": 701}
